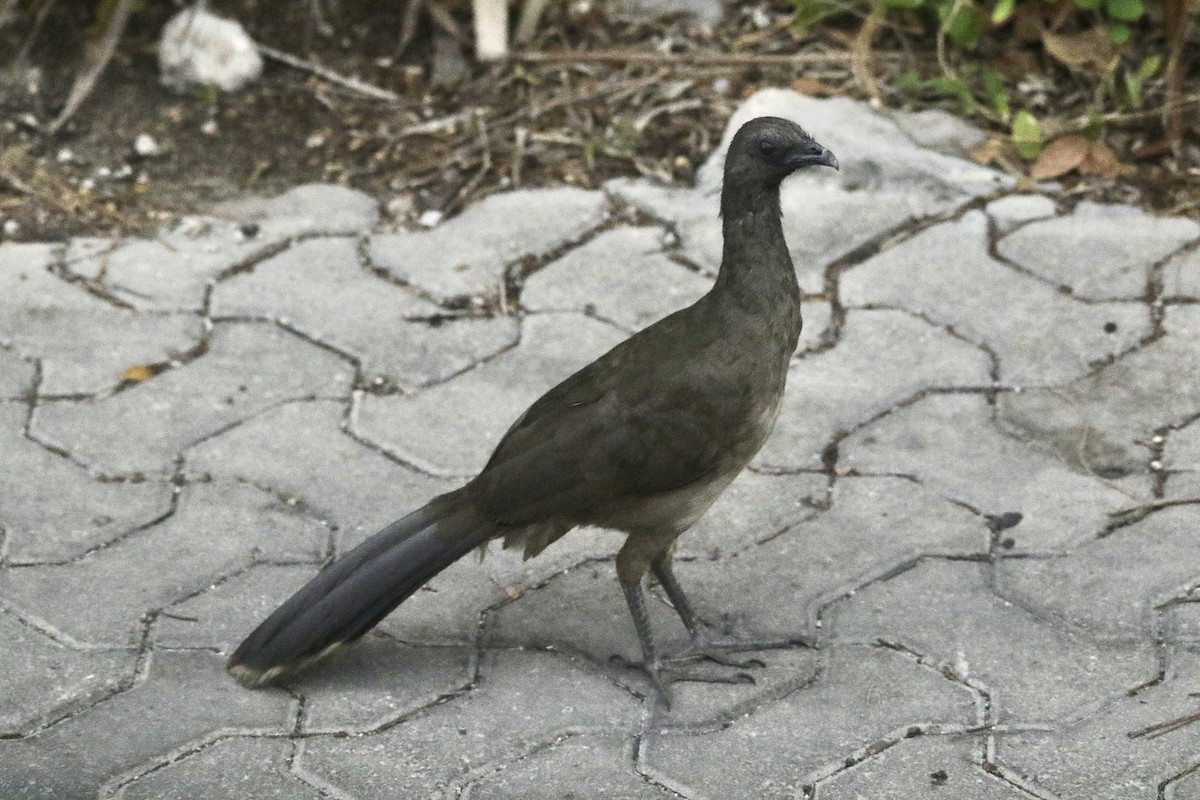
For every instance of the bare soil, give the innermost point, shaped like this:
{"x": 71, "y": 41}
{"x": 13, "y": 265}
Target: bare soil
{"x": 461, "y": 130}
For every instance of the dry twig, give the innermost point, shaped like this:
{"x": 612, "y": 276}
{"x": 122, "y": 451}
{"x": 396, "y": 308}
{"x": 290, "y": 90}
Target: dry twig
{"x": 621, "y": 57}
{"x": 95, "y": 59}
{"x": 353, "y": 84}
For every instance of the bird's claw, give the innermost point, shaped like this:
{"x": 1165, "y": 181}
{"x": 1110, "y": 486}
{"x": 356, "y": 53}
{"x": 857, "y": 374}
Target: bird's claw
{"x": 702, "y": 651}
{"x": 664, "y": 672}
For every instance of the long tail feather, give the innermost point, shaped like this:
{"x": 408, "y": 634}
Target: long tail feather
{"x": 351, "y": 595}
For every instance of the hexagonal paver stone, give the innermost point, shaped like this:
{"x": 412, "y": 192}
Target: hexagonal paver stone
{"x": 1013, "y": 211}
{"x": 451, "y": 429}
{"x": 1039, "y": 335}
{"x": 16, "y": 375}
{"x": 1182, "y": 457}
{"x": 172, "y": 271}
{"x": 1110, "y": 587}
{"x": 882, "y": 358}
{"x": 864, "y": 697}
{"x": 776, "y": 590}
{"x": 43, "y": 679}
{"x": 216, "y": 530}
{"x": 376, "y": 681}
{"x": 938, "y": 129}
{"x": 1120, "y": 752}
{"x": 523, "y": 702}
{"x": 623, "y": 274}
{"x": 300, "y": 451}
{"x": 311, "y": 208}
{"x": 318, "y": 287}
{"x": 185, "y": 699}
{"x": 468, "y": 255}
{"x": 951, "y": 444}
{"x": 1034, "y": 674}
{"x": 577, "y": 767}
{"x": 755, "y": 507}
{"x": 1098, "y": 422}
{"x": 1181, "y": 276}
{"x": 247, "y": 368}
{"x": 54, "y": 510}
{"x": 237, "y": 767}
{"x": 924, "y": 768}
{"x": 1100, "y": 252}
{"x": 83, "y": 342}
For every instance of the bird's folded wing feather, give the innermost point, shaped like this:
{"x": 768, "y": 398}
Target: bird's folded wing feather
{"x": 599, "y": 436}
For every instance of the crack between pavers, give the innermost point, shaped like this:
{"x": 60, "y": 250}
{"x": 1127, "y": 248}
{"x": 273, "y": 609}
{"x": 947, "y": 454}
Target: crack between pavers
{"x": 617, "y": 214}
{"x": 905, "y": 231}
{"x": 1024, "y": 437}
{"x": 138, "y": 675}
{"x": 116, "y": 784}
{"x": 1059, "y": 622}
{"x": 947, "y": 327}
{"x": 1163, "y": 786}
{"x": 176, "y": 483}
{"x": 1151, "y": 293}
{"x": 830, "y": 451}
{"x": 175, "y": 360}
{"x": 1018, "y": 780}
{"x": 348, "y": 427}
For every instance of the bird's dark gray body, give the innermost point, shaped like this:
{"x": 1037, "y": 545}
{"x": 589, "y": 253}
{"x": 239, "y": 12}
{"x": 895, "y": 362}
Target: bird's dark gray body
{"x": 642, "y": 440}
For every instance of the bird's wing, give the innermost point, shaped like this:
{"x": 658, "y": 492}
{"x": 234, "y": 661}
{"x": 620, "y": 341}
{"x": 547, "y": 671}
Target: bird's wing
{"x": 616, "y": 428}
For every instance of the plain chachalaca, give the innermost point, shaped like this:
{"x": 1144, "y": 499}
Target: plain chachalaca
{"x": 642, "y": 440}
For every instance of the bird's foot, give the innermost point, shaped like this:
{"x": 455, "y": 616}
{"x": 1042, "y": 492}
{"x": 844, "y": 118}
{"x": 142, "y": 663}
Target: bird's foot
{"x": 702, "y": 650}
{"x": 664, "y": 672}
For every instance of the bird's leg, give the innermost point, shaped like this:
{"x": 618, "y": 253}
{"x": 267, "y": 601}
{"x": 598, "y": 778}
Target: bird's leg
{"x": 662, "y": 675}
{"x": 701, "y": 647}
{"x": 632, "y": 563}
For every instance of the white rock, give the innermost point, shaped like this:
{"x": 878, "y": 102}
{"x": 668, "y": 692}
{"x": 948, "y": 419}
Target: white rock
{"x": 145, "y": 145}
{"x": 200, "y": 48}
{"x": 430, "y": 218}
{"x": 11, "y": 228}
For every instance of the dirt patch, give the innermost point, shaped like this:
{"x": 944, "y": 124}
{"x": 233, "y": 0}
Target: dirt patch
{"x": 461, "y": 130}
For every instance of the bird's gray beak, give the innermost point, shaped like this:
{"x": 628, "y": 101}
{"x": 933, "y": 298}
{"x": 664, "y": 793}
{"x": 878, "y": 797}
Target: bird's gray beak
{"x": 812, "y": 154}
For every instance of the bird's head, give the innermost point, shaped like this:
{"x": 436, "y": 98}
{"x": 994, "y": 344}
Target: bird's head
{"x": 766, "y": 150}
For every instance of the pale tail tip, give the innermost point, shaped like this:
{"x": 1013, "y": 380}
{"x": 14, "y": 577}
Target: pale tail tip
{"x": 253, "y": 678}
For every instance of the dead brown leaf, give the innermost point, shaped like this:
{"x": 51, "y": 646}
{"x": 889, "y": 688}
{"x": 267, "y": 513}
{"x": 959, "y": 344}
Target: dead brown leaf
{"x": 142, "y": 372}
{"x": 816, "y": 88}
{"x": 1076, "y": 153}
{"x": 1060, "y": 157}
{"x": 1100, "y": 160}
{"x": 1088, "y": 50}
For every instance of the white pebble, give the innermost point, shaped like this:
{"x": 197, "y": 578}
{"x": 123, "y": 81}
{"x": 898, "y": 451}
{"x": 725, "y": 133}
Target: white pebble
{"x": 430, "y": 218}
{"x": 11, "y": 228}
{"x": 145, "y": 146}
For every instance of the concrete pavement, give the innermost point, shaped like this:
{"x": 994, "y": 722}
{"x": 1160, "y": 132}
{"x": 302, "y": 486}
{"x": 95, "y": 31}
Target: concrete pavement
{"x": 980, "y": 503}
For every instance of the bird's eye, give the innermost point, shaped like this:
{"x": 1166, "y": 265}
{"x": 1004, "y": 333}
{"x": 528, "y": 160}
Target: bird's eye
{"x": 767, "y": 147}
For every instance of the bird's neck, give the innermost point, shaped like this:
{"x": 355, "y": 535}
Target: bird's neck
{"x": 755, "y": 263}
